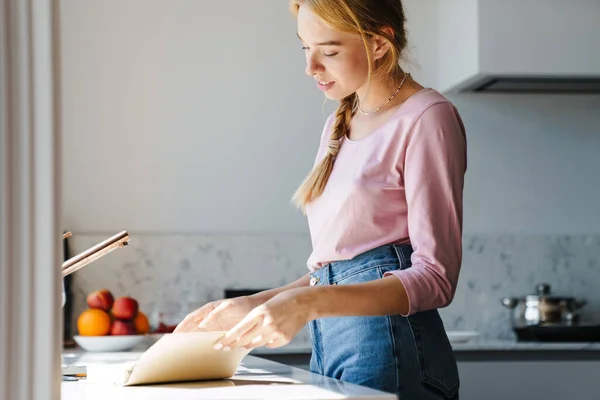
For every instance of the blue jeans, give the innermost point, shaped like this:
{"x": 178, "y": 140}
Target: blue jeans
{"x": 410, "y": 356}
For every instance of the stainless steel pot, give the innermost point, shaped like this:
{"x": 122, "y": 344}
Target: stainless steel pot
{"x": 543, "y": 308}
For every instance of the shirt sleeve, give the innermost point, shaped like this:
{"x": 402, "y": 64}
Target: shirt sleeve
{"x": 435, "y": 163}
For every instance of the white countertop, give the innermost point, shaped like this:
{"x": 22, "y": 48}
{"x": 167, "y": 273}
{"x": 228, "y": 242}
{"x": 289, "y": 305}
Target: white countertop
{"x": 259, "y": 378}
{"x": 256, "y": 378}
{"x": 473, "y": 345}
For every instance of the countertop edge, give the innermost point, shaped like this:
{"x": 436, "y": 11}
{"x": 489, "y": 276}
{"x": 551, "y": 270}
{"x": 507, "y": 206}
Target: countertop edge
{"x": 471, "y": 346}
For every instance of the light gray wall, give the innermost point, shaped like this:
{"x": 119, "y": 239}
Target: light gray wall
{"x": 457, "y": 22}
{"x": 534, "y": 164}
{"x": 184, "y": 115}
{"x": 196, "y": 116}
{"x": 187, "y": 116}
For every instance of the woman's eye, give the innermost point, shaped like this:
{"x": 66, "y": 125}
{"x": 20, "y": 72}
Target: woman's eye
{"x": 325, "y": 54}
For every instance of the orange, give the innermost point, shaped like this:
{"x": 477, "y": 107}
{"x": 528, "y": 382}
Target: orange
{"x": 93, "y": 322}
{"x": 142, "y": 326}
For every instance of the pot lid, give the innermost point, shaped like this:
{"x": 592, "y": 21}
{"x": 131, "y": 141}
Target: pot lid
{"x": 543, "y": 293}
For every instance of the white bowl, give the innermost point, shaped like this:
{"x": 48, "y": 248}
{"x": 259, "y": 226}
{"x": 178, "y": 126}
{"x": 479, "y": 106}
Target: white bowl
{"x": 461, "y": 336}
{"x": 109, "y": 343}
{"x": 151, "y": 338}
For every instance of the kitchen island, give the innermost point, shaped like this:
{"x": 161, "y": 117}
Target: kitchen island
{"x": 256, "y": 378}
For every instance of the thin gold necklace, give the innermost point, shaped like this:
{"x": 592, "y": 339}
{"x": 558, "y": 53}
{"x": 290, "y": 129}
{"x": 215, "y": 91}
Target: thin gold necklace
{"x": 388, "y": 100}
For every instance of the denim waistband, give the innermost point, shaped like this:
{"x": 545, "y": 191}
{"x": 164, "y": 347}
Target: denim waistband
{"x": 387, "y": 255}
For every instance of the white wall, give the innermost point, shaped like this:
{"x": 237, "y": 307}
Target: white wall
{"x": 196, "y": 116}
{"x": 185, "y": 115}
{"x": 457, "y": 23}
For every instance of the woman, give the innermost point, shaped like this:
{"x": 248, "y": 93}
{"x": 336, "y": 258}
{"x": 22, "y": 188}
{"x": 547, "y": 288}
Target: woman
{"x": 384, "y": 206}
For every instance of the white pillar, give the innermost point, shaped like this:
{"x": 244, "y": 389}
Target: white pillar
{"x": 30, "y": 213}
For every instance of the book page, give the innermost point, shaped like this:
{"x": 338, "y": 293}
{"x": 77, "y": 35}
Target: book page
{"x": 179, "y": 357}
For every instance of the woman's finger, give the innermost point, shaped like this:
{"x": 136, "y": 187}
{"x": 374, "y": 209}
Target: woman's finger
{"x": 247, "y": 338}
{"x": 214, "y": 313}
{"x": 264, "y": 339}
{"x": 187, "y": 324}
{"x": 203, "y": 320}
{"x": 254, "y": 317}
{"x": 245, "y": 325}
{"x": 192, "y": 320}
{"x": 277, "y": 342}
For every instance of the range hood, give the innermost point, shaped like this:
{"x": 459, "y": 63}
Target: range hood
{"x": 519, "y": 46}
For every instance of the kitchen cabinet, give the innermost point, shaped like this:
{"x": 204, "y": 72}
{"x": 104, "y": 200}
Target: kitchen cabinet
{"x": 546, "y": 48}
{"x": 502, "y": 369}
{"x": 500, "y": 380}
{"x": 548, "y": 380}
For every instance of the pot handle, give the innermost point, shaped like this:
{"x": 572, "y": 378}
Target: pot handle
{"x": 579, "y": 303}
{"x": 510, "y": 302}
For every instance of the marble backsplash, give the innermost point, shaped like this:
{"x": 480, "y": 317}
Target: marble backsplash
{"x": 175, "y": 274}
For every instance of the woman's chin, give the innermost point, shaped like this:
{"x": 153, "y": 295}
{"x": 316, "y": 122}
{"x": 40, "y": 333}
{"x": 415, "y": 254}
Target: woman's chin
{"x": 335, "y": 95}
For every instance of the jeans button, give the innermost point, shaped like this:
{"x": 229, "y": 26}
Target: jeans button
{"x": 313, "y": 281}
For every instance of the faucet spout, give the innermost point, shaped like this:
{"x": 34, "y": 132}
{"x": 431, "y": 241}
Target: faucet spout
{"x": 95, "y": 252}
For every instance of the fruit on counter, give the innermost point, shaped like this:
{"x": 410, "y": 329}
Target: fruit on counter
{"x": 164, "y": 328}
{"x": 107, "y": 316}
{"x": 102, "y": 299}
{"x": 120, "y": 327}
{"x": 141, "y": 323}
{"x": 94, "y": 322}
{"x": 125, "y": 308}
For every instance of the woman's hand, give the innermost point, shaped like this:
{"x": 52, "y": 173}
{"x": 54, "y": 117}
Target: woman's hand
{"x": 220, "y": 315}
{"x": 272, "y": 324}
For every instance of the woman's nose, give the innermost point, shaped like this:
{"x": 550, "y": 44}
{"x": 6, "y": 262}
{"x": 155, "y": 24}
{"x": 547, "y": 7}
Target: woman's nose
{"x": 312, "y": 66}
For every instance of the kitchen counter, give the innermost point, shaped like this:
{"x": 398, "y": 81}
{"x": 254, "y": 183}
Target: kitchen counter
{"x": 256, "y": 378}
{"x": 471, "y": 345}
{"x": 512, "y": 350}
{"x": 297, "y": 353}
{"x": 512, "y": 345}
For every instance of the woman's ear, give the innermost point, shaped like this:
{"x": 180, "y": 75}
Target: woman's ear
{"x": 380, "y": 45}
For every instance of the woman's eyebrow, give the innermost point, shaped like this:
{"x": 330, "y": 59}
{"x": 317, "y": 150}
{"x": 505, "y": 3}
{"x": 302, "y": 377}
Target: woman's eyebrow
{"x": 326, "y": 43}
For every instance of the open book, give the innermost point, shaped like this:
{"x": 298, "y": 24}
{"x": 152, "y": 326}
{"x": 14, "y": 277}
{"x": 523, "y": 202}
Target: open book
{"x": 175, "y": 357}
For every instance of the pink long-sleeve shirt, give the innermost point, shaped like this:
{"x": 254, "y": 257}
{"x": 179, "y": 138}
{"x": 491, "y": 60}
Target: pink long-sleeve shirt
{"x": 403, "y": 183}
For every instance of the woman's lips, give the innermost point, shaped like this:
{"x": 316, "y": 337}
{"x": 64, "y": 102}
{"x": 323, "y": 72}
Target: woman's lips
{"x": 324, "y": 85}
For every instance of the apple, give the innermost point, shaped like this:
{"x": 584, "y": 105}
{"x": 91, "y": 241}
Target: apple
{"x": 164, "y": 328}
{"x": 102, "y": 299}
{"x": 125, "y": 308}
{"x": 119, "y": 327}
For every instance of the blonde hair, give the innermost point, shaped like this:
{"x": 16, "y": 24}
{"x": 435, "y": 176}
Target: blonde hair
{"x": 367, "y": 18}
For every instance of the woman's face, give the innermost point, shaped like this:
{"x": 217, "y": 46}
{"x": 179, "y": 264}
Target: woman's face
{"x": 336, "y": 60}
